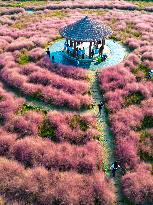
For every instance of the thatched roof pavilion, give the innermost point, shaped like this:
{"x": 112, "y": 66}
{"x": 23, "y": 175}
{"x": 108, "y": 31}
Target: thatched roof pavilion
{"x": 85, "y": 30}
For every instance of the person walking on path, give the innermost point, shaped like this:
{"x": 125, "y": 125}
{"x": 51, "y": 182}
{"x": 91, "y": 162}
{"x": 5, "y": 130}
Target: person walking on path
{"x": 53, "y": 59}
{"x": 100, "y": 106}
{"x": 114, "y": 167}
{"x": 48, "y": 52}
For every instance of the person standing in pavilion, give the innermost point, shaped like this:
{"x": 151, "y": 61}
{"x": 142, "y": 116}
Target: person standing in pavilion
{"x": 83, "y": 53}
{"x": 101, "y": 51}
{"x": 92, "y": 53}
{"x": 65, "y": 46}
{"x": 79, "y": 52}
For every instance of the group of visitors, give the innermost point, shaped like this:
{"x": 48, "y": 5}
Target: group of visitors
{"x": 95, "y": 50}
{"x": 80, "y": 52}
{"x": 48, "y": 53}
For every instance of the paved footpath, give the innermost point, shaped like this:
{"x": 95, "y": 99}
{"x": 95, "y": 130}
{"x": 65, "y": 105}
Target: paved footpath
{"x": 106, "y": 138}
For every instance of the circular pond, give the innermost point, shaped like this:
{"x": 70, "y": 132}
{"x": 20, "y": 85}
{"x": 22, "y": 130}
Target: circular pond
{"x": 115, "y": 52}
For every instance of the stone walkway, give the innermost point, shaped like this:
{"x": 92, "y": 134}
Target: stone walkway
{"x": 106, "y": 138}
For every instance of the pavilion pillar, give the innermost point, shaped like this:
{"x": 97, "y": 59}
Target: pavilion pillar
{"x": 74, "y": 48}
{"x": 90, "y": 49}
{"x": 103, "y": 42}
{"x": 71, "y": 44}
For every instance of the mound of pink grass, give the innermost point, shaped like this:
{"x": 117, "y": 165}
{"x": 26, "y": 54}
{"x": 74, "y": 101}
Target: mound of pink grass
{"x": 73, "y": 128}
{"x": 115, "y": 77}
{"x": 50, "y": 187}
{"x": 54, "y": 89}
{"x": 33, "y": 152}
{"x": 63, "y": 70}
{"x": 138, "y": 187}
{"x": 120, "y": 97}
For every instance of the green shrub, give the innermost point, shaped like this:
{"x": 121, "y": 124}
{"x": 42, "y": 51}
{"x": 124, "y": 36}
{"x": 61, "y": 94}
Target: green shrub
{"x": 2, "y": 120}
{"x": 23, "y": 59}
{"x": 141, "y": 72}
{"x": 134, "y": 98}
{"x": 27, "y": 107}
{"x": 37, "y": 94}
{"x": 77, "y": 121}
{"x": 143, "y": 135}
{"x": 145, "y": 156}
{"x": 74, "y": 121}
{"x": 147, "y": 122}
{"x": 1, "y": 98}
{"x": 144, "y": 69}
{"x": 83, "y": 125}
{"x": 47, "y": 129}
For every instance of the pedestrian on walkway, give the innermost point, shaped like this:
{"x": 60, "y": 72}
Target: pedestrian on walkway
{"x": 100, "y": 106}
{"x": 48, "y": 52}
{"x": 114, "y": 167}
{"x": 53, "y": 59}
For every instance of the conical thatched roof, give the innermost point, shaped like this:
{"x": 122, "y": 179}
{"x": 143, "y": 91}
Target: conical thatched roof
{"x": 86, "y": 29}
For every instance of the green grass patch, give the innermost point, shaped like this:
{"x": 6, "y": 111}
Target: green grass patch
{"x": 141, "y": 72}
{"x": 147, "y": 122}
{"x": 27, "y": 107}
{"x": 114, "y": 38}
{"x": 27, "y": 3}
{"x": 25, "y": 19}
{"x": 130, "y": 31}
{"x": 47, "y": 130}
{"x": 94, "y": 11}
{"x": 1, "y": 97}
{"x": 145, "y": 156}
{"x": 143, "y": 135}
{"x": 77, "y": 121}
{"x": 24, "y": 58}
{"x": 2, "y": 120}
{"x": 142, "y": 3}
{"x": 127, "y": 201}
{"x": 143, "y": 68}
{"x": 37, "y": 94}
{"x": 134, "y": 98}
